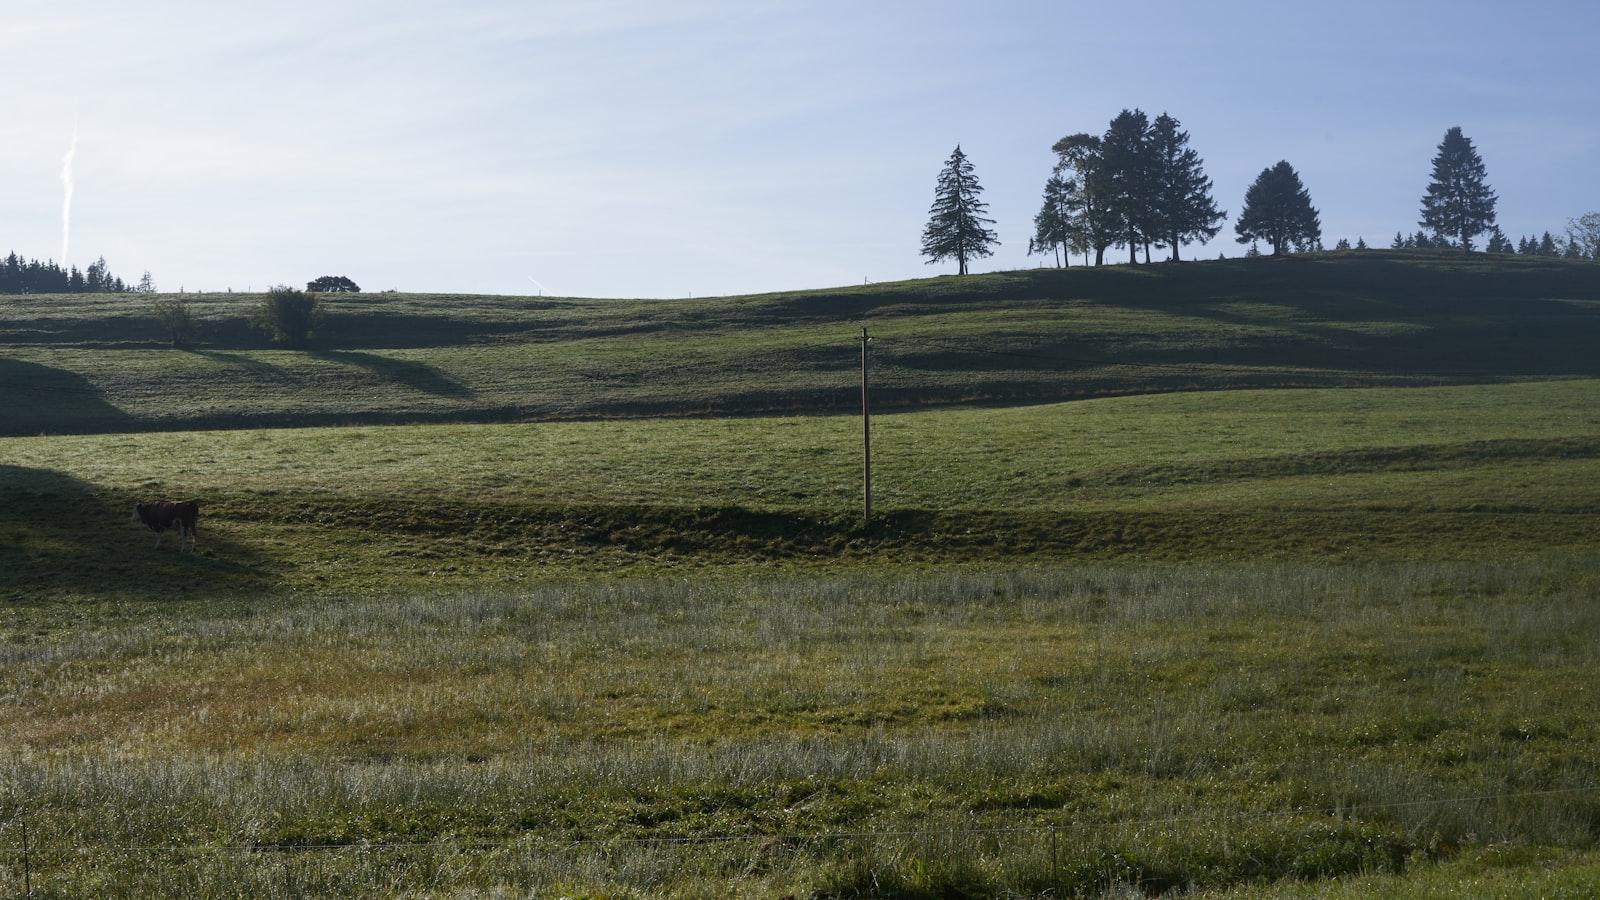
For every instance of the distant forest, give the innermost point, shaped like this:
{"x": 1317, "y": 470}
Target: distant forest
{"x": 30, "y": 276}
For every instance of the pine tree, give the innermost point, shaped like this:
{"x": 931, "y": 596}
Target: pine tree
{"x": 956, "y": 224}
{"x": 1278, "y": 210}
{"x": 1344, "y": 244}
{"x": 1184, "y": 210}
{"x": 146, "y": 285}
{"x": 1498, "y": 242}
{"x": 1127, "y": 168}
{"x": 1547, "y": 246}
{"x": 1399, "y": 242}
{"x": 1458, "y": 204}
{"x": 1053, "y": 224}
{"x": 1361, "y": 243}
{"x": 1523, "y": 246}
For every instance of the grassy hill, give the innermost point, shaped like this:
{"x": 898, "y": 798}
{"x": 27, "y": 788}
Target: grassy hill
{"x": 1470, "y": 471}
{"x": 1223, "y": 638}
{"x": 95, "y": 363}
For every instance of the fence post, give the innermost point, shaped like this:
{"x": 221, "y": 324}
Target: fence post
{"x": 1055, "y": 872}
{"x": 27, "y": 864}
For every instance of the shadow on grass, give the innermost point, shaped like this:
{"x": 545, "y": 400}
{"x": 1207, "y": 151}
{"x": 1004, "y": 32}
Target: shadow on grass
{"x": 414, "y": 375}
{"x": 40, "y": 399}
{"x": 62, "y": 535}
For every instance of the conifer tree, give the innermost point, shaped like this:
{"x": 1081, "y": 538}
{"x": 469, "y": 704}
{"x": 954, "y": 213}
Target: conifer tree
{"x": 1361, "y": 243}
{"x": 1126, "y": 165}
{"x": 1344, "y": 244}
{"x": 1399, "y": 242}
{"x": 1183, "y": 208}
{"x": 1278, "y": 210}
{"x": 1547, "y": 245}
{"x": 1498, "y": 242}
{"x": 957, "y": 228}
{"x": 1459, "y": 203}
{"x": 1053, "y": 224}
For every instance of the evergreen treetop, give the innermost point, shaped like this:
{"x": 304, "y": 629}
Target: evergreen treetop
{"x": 1459, "y": 203}
{"x": 1278, "y": 210}
{"x": 957, "y": 228}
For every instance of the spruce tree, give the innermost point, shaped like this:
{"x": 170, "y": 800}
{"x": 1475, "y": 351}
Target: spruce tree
{"x": 957, "y": 228}
{"x": 1399, "y": 242}
{"x": 1547, "y": 246}
{"x": 1278, "y": 210}
{"x": 1361, "y": 243}
{"x": 1127, "y": 169}
{"x": 1498, "y": 242}
{"x": 1458, "y": 204}
{"x": 1343, "y": 244}
{"x": 1053, "y": 224}
{"x": 1184, "y": 209}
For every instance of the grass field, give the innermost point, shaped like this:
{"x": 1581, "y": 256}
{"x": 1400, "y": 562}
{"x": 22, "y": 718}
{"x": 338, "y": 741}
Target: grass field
{"x": 79, "y": 364}
{"x": 1325, "y": 641}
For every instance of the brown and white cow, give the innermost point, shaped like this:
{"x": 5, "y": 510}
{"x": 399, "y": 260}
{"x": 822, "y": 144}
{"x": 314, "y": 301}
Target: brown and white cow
{"x": 164, "y": 514}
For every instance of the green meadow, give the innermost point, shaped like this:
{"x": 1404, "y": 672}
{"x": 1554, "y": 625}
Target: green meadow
{"x": 1257, "y": 578}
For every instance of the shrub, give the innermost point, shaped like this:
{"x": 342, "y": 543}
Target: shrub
{"x": 289, "y": 316}
{"x": 175, "y": 318}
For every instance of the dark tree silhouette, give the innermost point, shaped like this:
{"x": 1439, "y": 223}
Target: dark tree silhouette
{"x": 333, "y": 284}
{"x": 1079, "y": 154}
{"x": 1127, "y": 169}
{"x": 1278, "y": 210}
{"x": 1498, "y": 242}
{"x": 957, "y": 228}
{"x": 1184, "y": 210}
{"x": 1053, "y": 225}
{"x": 23, "y": 276}
{"x": 1458, "y": 204}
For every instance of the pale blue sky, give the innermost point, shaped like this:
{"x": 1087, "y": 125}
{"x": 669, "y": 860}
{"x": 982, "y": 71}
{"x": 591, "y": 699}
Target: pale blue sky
{"x": 631, "y": 148}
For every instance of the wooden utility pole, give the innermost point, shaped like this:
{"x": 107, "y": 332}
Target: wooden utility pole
{"x": 866, "y": 439}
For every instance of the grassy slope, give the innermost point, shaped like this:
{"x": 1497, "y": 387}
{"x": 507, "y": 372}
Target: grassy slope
{"x": 95, "y": 363}
{"x": 1455, "y": 471}
{"x": 1221, "y": 615}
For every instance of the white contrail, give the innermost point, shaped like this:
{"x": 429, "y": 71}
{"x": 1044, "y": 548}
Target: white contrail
{"x": 541, "y": 287}
{"x": 66, "y": 194}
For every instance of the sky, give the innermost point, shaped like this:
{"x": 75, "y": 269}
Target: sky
{"x": 626, "y": 148}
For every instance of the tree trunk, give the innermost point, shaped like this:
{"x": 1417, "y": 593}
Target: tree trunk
{"x": 1175, "y": 249}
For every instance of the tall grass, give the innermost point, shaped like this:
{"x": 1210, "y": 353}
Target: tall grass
{"x": 1044, "y": 729}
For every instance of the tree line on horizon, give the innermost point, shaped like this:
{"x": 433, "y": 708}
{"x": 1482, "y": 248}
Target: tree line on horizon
{"x": 1139, "y": 185}
{"x": 30, "y": 276}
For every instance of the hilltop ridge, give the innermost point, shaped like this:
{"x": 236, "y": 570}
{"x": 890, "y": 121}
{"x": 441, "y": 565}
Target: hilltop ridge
{"x": 85, "y": 363}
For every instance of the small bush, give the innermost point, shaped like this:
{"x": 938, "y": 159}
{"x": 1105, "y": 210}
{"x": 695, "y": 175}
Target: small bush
{"x": 175, "y": 318}
{"x": 289, "y": 316}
